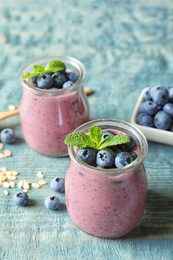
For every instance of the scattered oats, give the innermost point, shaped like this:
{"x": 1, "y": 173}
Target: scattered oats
{"x": 12, "y": 184}
{"x": 42, "y": 182}
{"x": 25, "y": 190}
{"x": 6, "y": 184}
{"x": 0, "y": 182}
{"x": 6, "y": 192}
{"x": 15, "y": 173}
{"x": 11, "y": 178}
{"x": 7, "y": 153}
{"x": 40, "y": 175}
{"x": 2, "y": 174}
{"x": 11, "y": 107}
{"x": 1, "y": 146}
{"x": 35, "y": 185}
{"x": 25, "y": 185}
{"x": 2, "y": 155}
{"x": 3, "y": 178}
{"x": 8, "y": 173}
{"x": 3, "y": 169}
{"x": 20, "y": 184}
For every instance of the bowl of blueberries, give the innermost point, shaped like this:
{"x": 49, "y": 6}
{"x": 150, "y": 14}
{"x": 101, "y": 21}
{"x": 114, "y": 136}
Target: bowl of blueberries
{"x": 153, "y": 114}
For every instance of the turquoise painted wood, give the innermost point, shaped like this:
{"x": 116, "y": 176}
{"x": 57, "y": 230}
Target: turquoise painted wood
{"x": 125, "y": 46}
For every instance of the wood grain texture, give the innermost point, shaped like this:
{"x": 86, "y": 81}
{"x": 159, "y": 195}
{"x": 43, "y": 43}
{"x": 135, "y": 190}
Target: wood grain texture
{"x": 125, "y": 46}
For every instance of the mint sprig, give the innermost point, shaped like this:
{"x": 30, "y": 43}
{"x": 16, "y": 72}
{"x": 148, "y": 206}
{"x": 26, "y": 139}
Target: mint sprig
{"x": 93, "y": 140}
{"x": 51, "y": 67}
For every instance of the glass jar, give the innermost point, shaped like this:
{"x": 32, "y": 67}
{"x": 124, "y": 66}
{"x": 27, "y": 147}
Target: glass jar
{"x": 47, "y": 116}
{"x": 107, "y": 202}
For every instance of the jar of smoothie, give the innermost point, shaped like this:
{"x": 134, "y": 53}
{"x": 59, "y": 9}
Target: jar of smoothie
{"x": 48, "y": 115}
{"x": 103, "y": 202}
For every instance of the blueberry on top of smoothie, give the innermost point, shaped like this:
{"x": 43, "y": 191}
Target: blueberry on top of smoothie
{"x": 99, "y": 147}
{"x": 52, "y": 76}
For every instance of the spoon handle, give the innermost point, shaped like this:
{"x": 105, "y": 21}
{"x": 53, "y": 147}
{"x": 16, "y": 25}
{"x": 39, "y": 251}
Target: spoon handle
{"x": 7, "y": 114}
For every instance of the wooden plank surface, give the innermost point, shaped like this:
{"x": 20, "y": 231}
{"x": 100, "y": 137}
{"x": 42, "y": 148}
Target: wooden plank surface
{"x": 125, "y": 46}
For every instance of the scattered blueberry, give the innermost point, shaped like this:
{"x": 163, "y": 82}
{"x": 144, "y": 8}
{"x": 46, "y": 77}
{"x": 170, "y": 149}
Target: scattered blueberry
{"x": 59, "y": 79}
{"x": 45, "y": 81}
{"x": 122, "y": 159}
{"x": 67, "y": 84}
{"x": 87, "y": 155}
{"x": 105, "y": 158}
{"x": 162, "y": 120}
{"x": 52, "y": 203}
{"x": 7, "y": 136}
{"x": 21, "y": 198}
{"x": 145, "y": 120}
{"x": 58, "y": 184}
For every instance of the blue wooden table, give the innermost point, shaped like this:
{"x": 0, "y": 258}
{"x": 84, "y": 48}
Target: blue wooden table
{"x": 125, "y": 45}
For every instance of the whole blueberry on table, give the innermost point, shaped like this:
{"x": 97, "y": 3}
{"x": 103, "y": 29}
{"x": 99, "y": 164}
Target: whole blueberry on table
{"x": 145, "y": 120}
{"x": 159, "y": 95}
{"x": 58, "y": 184}
{"x": 128, "y": 146}
{"x": 67, "y": 84}
{"x": 7, "y": 136}
{"x": 162, "y": 120}
{"x": 122, "y": 159}
{"x": 168, "y": 108}
{"x": 59, "y": 79}
{"x": 52, "y": 203}
{"x": 87, "y": 155}
{"x": 149, "y": 107}
{"x": 21, "y": 198}
{"x": 105, "y": 158}
{"x": 72, "y": 76}
{"x": 45, "y": 81}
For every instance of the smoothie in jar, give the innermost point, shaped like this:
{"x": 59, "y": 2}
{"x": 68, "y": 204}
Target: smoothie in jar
{"x": 48, "y": 115}
{"x": 107, "y": 202}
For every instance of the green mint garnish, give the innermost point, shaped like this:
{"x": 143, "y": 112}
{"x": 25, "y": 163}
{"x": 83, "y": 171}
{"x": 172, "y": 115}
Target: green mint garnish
{"x": 51, "y": 67}
{"x": 93, "y": 140}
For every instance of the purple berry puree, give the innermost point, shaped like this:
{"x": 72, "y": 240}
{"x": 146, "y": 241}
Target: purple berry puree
{"x": 105, "y": 205}
{"x": 47, "y": 119}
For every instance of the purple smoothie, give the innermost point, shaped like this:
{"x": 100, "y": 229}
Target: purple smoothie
{"x": 106, "y": 203}
{"x": 47, "y": 116}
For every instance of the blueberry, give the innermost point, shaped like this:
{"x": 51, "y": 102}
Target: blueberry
{"x": 149, "y": 107}
{"x": 162, "y": 120}
{"x": 133, "y": 154}
{"x": 122, "y": 159}
{"x": 168, "y": 108}
{"x": 59, "y": 79}
{"x": 170, "y": 93}
{"x": 105, "y": 158}
{"x": 7, "y": 136}
{"x": 52, "y": 203}
{"x": 72, "y": 76}
{"x": 87, "y": 155}
{"x": 58, "y": 184}
{"x": 34, "y": 79}
{"x": 145, "y": 120}
{"x": 21, "y": 198}
{"x": 147, "y": 96}
{"x": 67, "y": 84}
{"x": 128, "y": 146}
{"x": 106, "y": 133}
{"x": 159, "y": 95}
{"x": 45, "y": 81}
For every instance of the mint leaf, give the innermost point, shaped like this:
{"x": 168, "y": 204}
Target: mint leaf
{"x": 80, "y": 140}
{"x": 38, "y": 69}
{"x": 95, "y": 134}
{"x": 54, "y": 65}
{"x": 112, "y": 140}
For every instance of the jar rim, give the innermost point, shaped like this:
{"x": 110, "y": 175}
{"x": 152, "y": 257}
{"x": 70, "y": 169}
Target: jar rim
{"x": 123, "y": 126}
{"x": 68, "y": 60}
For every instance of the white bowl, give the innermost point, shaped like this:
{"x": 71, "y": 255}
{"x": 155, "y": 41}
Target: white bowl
{"x": 152, "y": 134}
